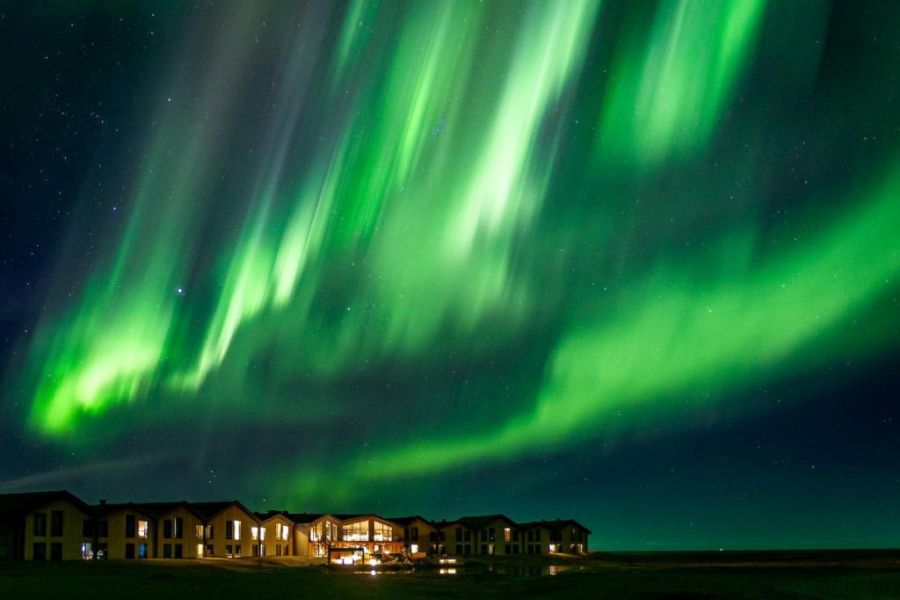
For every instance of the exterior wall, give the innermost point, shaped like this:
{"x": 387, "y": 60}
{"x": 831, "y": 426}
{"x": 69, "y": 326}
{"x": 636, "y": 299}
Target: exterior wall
{"x": 459, "y": 540}
{"x": 275, "y": 545}
{"x": 319, "y": 541}
{"x": 419, "y": 535}
{"x": 238, "y": 547}
{"x": 536, "y": 540}
{"x": 191, "y": 541}
{"x": 68, "y": 544}
{"x": 492, "y": 538}
{"x": 574, "y": 540}
{"x": 301, "y": 540}
{"x": 118, "y": 542}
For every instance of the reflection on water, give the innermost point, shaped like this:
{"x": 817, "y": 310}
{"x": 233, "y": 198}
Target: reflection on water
{"x": 475, "y": 568}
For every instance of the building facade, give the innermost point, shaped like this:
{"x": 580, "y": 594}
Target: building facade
{"x": 59, "y": 526}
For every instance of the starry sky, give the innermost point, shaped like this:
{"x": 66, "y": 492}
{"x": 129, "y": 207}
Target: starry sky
{"x": 634, "y": 263}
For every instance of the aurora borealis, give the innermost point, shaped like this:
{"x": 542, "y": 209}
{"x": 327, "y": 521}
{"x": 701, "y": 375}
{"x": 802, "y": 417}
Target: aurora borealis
{"x": 632, "y": 262}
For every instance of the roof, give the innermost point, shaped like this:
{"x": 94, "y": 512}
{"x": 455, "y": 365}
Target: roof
{"x": 266, "y": 516}
{"x": 160, "y": 509}
{"x": 25, "y": 502}
{"x": 479, "y": 521}
{"x": 104, "y": 508}
{"x": 208, "y": 510}
{"x": 305, "y": 517}
{"x": 407, "y": 520}
{"x": 555, "y": 525}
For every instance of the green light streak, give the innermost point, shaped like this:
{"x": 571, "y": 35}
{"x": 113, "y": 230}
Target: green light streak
{"x": 667, "y": 93}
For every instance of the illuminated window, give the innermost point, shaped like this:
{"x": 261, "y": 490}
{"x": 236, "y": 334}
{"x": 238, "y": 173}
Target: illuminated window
{"x": 199, "y": 549}
{"x": 356, "y": 532}
{"x": 285, "y": 533}
{"x": 262, "y": 533}
{"x": 237, "y": 530}
{"x": 198, "y": 532}
{"x": 314, "y": 534}
{"x": 178, "y": 527}
{"x": 383, "y": 532}
{"x": 507, "y": 535}
{"x": 143, "y": 527}
{"x": 254, "y": 533}
{"x": 414, "y": 548}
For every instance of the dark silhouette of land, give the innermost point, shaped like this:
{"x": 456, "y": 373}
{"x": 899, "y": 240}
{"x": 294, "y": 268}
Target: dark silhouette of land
{"x": 771, "y": 575}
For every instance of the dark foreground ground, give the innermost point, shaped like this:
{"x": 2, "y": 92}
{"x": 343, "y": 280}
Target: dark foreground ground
{"x": 763, "y": 575}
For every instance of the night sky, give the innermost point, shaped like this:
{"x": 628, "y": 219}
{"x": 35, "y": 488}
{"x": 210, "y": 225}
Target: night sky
{"x": 636, "y": 263}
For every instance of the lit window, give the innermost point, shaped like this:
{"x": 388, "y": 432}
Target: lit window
{"x": 198, "y": 531}
{"x": 237, "y": 530}
{"x": 507, "y": 535}
{"x": 254, "y": 533}
{"x": 357, "y": 532}
{"x": 262, "y": 533}
{"x": 142, "y": 528}
{"x": 383, "y": 532}
{"x": 199, "y": 549}
{"x": 414, "y": 548}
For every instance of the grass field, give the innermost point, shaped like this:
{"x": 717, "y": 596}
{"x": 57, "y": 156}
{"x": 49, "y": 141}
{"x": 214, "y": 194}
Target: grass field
{"x": 762, "y": 575}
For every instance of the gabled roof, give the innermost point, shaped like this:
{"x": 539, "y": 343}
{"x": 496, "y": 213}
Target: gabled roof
{"x": 555, "y": 524}
{"x": 209, "y": 510}
{"x": 161, "y": 509}
{"x": 104, "y": 508}
{"x": 479, "y": 521}
{"x": 301, "y": 518}
{"x": 407, "y": 520}
{"x": 268, "y": 516}
{"x": 25, "y": 502}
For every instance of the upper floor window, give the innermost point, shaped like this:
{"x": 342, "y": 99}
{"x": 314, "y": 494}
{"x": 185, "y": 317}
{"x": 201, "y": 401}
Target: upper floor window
{"x": 356, "y": 532}
{"x": 383, "y": 532}
{"x": 40, "y": 524}
{"x": 56, "y": 523}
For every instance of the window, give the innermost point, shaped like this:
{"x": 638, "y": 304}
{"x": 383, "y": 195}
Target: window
{"x": 232, "y": 530}
{"x": 515, "y": 535}
{"x": 142, "y": 551}
{"x": 129, "y": 527}
{"x": 484, "y": 535}
{"x": 178, "y": 527}
{"x": 199, "y": 549}
{"x": 167, "y": 529}
{"x": 129, "y": 550}
{"x": 39, "y": 551}
{"x": 484, "y": 549}
{"x": 237, "y": 549}
{"x": 285, "y": 533}
{"x": 255, "y": 550}
{"x": 167, "y": 550}
{"x": 210, "y": 550}
{"x": 88, "y": 528}
{"x": 56, "y": 524}
{"x": 143, "y": 527}
{"x": 254, "y": 533}
{"x": 314, "y": 533}
{"x": 356, "y": 532}
{"x": 383, "y": 532}
{"x": 210, "y": 532}
{"x": 40, "y": 524}
{"x": 87, "y": 551}
{"x": 179, "y": 551}
{"x": 278, "y": 550}
{"x": 468, "y": 533}
{"x": 507, "y": 535}
{"x": 492, "y": 534}
{"x": 198, "y": 531}
{"x": 103, "y": 528}
{"x": 459, "y": 533}
{"x": 229, "y": 550}
{"x": 458, "y": 549}
{"x": 414, "y": 548}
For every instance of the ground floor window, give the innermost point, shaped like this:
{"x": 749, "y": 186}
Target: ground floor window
{"x": 210, "y": 550}
{"x": 87, "y": 551}
{"x": 142, "y": 551}
{"x": 129, "y": 550}
{"x": 56, "y": 551}
{"x": 179, "y": 552}
{"x": 167, "y": 550}
{"x": 39, "y": 551}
